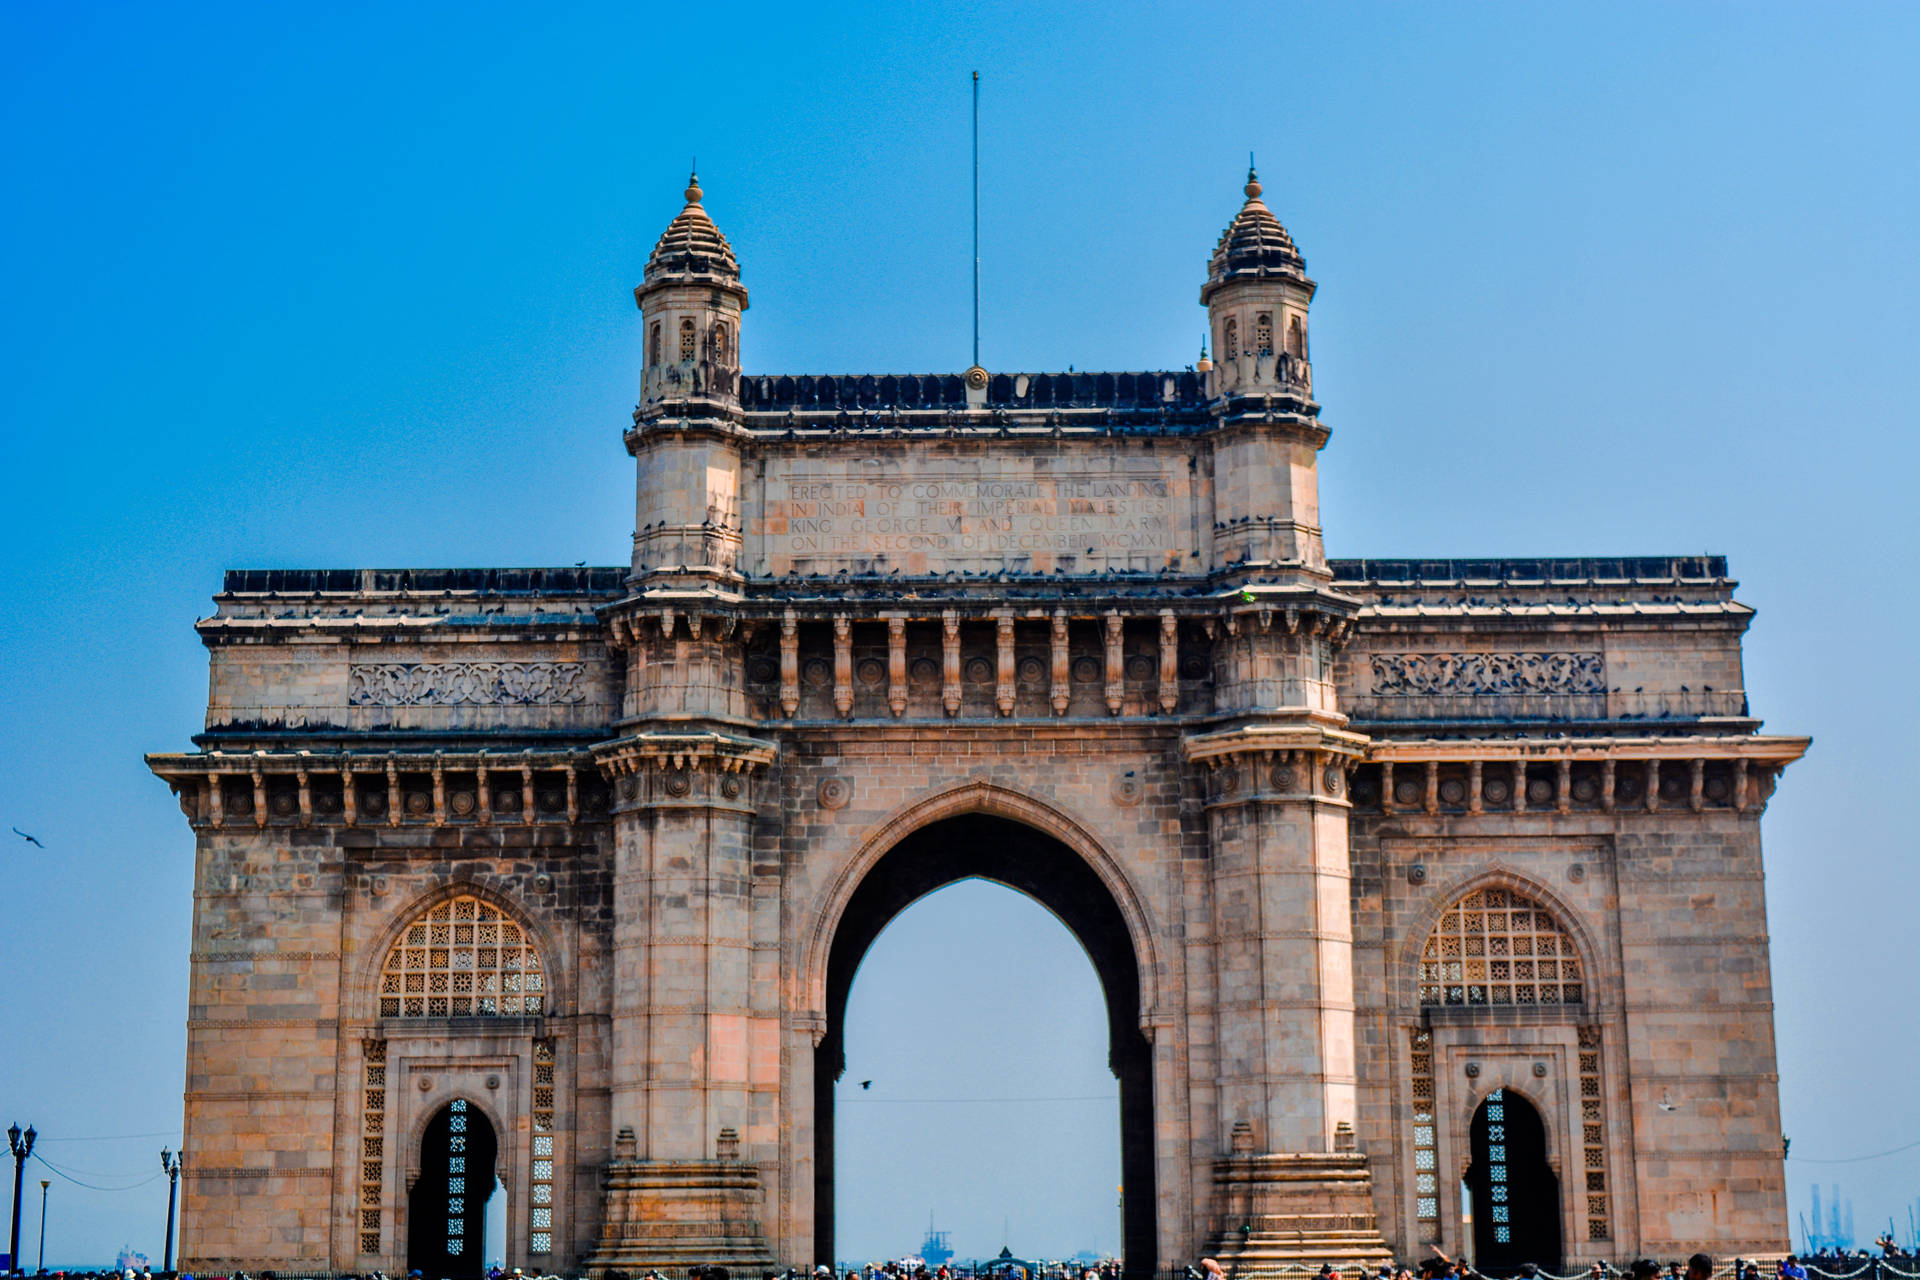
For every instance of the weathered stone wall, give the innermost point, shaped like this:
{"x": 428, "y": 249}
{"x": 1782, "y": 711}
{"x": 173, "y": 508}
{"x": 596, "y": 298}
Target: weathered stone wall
{"x": 292, "y": 924}
{"x": 979, "y": 507}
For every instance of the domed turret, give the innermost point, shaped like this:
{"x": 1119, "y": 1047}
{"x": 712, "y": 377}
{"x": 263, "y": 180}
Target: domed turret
{"x": 1256, "y": 295}
{"x": 1253, "y": 245}
{"x": 692, "y": 248}
{"x": 687, "y": 510}
{"x": 691, "y": 300}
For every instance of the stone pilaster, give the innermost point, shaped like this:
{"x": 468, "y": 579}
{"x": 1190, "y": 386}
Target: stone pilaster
{"x": 1288, "y": 1187}
{"x": 687, "y": 1037}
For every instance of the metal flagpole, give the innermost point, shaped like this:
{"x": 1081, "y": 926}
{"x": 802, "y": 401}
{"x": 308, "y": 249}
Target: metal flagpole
{"x": 976, "y": 218}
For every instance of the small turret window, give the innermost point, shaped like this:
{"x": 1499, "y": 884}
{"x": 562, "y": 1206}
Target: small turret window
{"x": 653, "y": 344}
{"x": 722, "y": 349}
{"x": 1263, "y": 334}
{"x": 1296, "y": 338}
{"x": 1230, "y": 342}
{"x": 686, "y": 340}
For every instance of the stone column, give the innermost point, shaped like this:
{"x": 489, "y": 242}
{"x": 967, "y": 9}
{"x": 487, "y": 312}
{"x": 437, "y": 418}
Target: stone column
{"x": 1288, "y": 1187}
{"x": 687, "y": 1037}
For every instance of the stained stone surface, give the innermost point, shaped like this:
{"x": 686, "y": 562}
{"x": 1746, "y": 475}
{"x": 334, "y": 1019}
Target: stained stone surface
{"x": 1074, "y": 631}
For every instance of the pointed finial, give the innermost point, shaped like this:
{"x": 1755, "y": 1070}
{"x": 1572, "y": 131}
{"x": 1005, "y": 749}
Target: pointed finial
{"x": 693, "y": 186}
{"x": 1203, "y": 365}
{"x": 1253, "y": 179}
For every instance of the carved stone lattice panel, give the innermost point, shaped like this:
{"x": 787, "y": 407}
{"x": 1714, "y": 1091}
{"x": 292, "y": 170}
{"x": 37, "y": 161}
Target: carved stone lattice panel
{"x": 1487, "y": 674}
{"x": 453, "y": 684}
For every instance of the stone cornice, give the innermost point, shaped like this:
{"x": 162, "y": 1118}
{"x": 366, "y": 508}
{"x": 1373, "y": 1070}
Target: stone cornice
{"x": 694, "y": 749}
{"x": 1265, "y": 739}
{"x": 1772, "y": 750}
{"x": 420, "y": 788}
{"x": 1574, "y": 775}
{"x": 1312, "y": 604}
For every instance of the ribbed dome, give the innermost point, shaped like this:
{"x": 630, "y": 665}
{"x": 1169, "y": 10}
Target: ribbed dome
{"x": 1254, "y": 243}
{"x": 692, "y": 247}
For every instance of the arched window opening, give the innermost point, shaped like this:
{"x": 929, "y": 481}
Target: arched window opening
{"x": 1263, "y": 333}
{"x": 463, "y": 959}
{"x": 653, "y": 344}
{"x": 1296, "y": 339}
{"x": 722, "y": 349}
{"x": 1511, "y": 1190}
{"x": 686, "y": 339}
{"x": 1230, "y": 343}
{"x": 1498, "y": 947}
{"x": 447, "y": 1209}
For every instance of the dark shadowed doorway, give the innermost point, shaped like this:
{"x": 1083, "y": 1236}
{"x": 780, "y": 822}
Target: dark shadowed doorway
{"x": 447, "y": 1209}
{"x": 1516, "y": 1197}
{"x": 981, "y": 846}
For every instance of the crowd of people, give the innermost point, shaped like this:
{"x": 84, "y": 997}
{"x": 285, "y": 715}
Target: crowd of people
{"x": 1891, "y": 1263}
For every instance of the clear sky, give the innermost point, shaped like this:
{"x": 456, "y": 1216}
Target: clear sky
{"x": 349, "y": 285}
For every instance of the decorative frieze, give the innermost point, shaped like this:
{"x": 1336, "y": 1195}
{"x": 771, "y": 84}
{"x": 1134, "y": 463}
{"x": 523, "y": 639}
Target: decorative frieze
{"x": 465, "y": 684}
{"x": 1430, "y": 675}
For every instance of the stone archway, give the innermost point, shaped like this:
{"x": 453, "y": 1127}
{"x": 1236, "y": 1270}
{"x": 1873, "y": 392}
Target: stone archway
{"x": 1021, "y": 857}
{"x": 447, "y": 1205}
{"x": 1516, "y": 1194}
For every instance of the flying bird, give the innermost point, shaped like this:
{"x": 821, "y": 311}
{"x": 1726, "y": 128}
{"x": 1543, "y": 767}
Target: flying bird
{"x": 864, "y": 1084}
{"x": 29, "y": 839}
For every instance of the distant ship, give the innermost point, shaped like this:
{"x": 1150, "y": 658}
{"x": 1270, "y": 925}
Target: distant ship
{"x": 936, "y": 1250}
{"x": 130, "y": 1259}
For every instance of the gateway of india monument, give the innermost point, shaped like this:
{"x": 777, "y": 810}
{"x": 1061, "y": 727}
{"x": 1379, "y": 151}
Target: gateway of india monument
{"x": 1426, "y": 894}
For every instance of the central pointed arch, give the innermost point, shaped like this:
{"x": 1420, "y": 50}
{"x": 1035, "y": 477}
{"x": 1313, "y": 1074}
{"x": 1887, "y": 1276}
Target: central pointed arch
{"x": 969, "y": 834}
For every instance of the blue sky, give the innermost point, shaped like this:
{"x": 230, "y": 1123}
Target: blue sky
{"x": 349, "y": 285}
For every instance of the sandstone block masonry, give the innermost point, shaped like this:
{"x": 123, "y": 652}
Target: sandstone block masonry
{"x": 1399, "y": 875}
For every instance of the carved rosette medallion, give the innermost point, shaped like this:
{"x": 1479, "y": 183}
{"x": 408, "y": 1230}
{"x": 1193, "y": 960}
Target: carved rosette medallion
{"x": 835, "y": 792}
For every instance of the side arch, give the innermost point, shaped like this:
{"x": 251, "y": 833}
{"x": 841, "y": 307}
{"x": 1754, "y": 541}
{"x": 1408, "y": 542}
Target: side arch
{"x": 995, "y": 801}
{"x": 1403, "y": 982}
{"x": 1508, "y": 1079}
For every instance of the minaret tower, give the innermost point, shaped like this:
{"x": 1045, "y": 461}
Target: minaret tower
{"x": 1288, "y": 1185}
{"x": 685, "y": 1184}
{"x": 687, "y": 522}
{"x": 1256, "y": 296}
{"x": 1267, "y": 485}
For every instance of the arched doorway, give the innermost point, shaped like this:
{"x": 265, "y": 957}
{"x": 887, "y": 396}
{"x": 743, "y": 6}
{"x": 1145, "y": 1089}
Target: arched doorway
{"x": 447, "y": 1208}
{"x": 987, "y": 847}
{"x": 1516, "y": 1197}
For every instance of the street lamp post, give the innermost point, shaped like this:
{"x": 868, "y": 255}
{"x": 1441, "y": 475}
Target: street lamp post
{"x": 44, "y": 1184}
{"x": 170, "y": 1161}
{"x": 21, "y": 1145}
